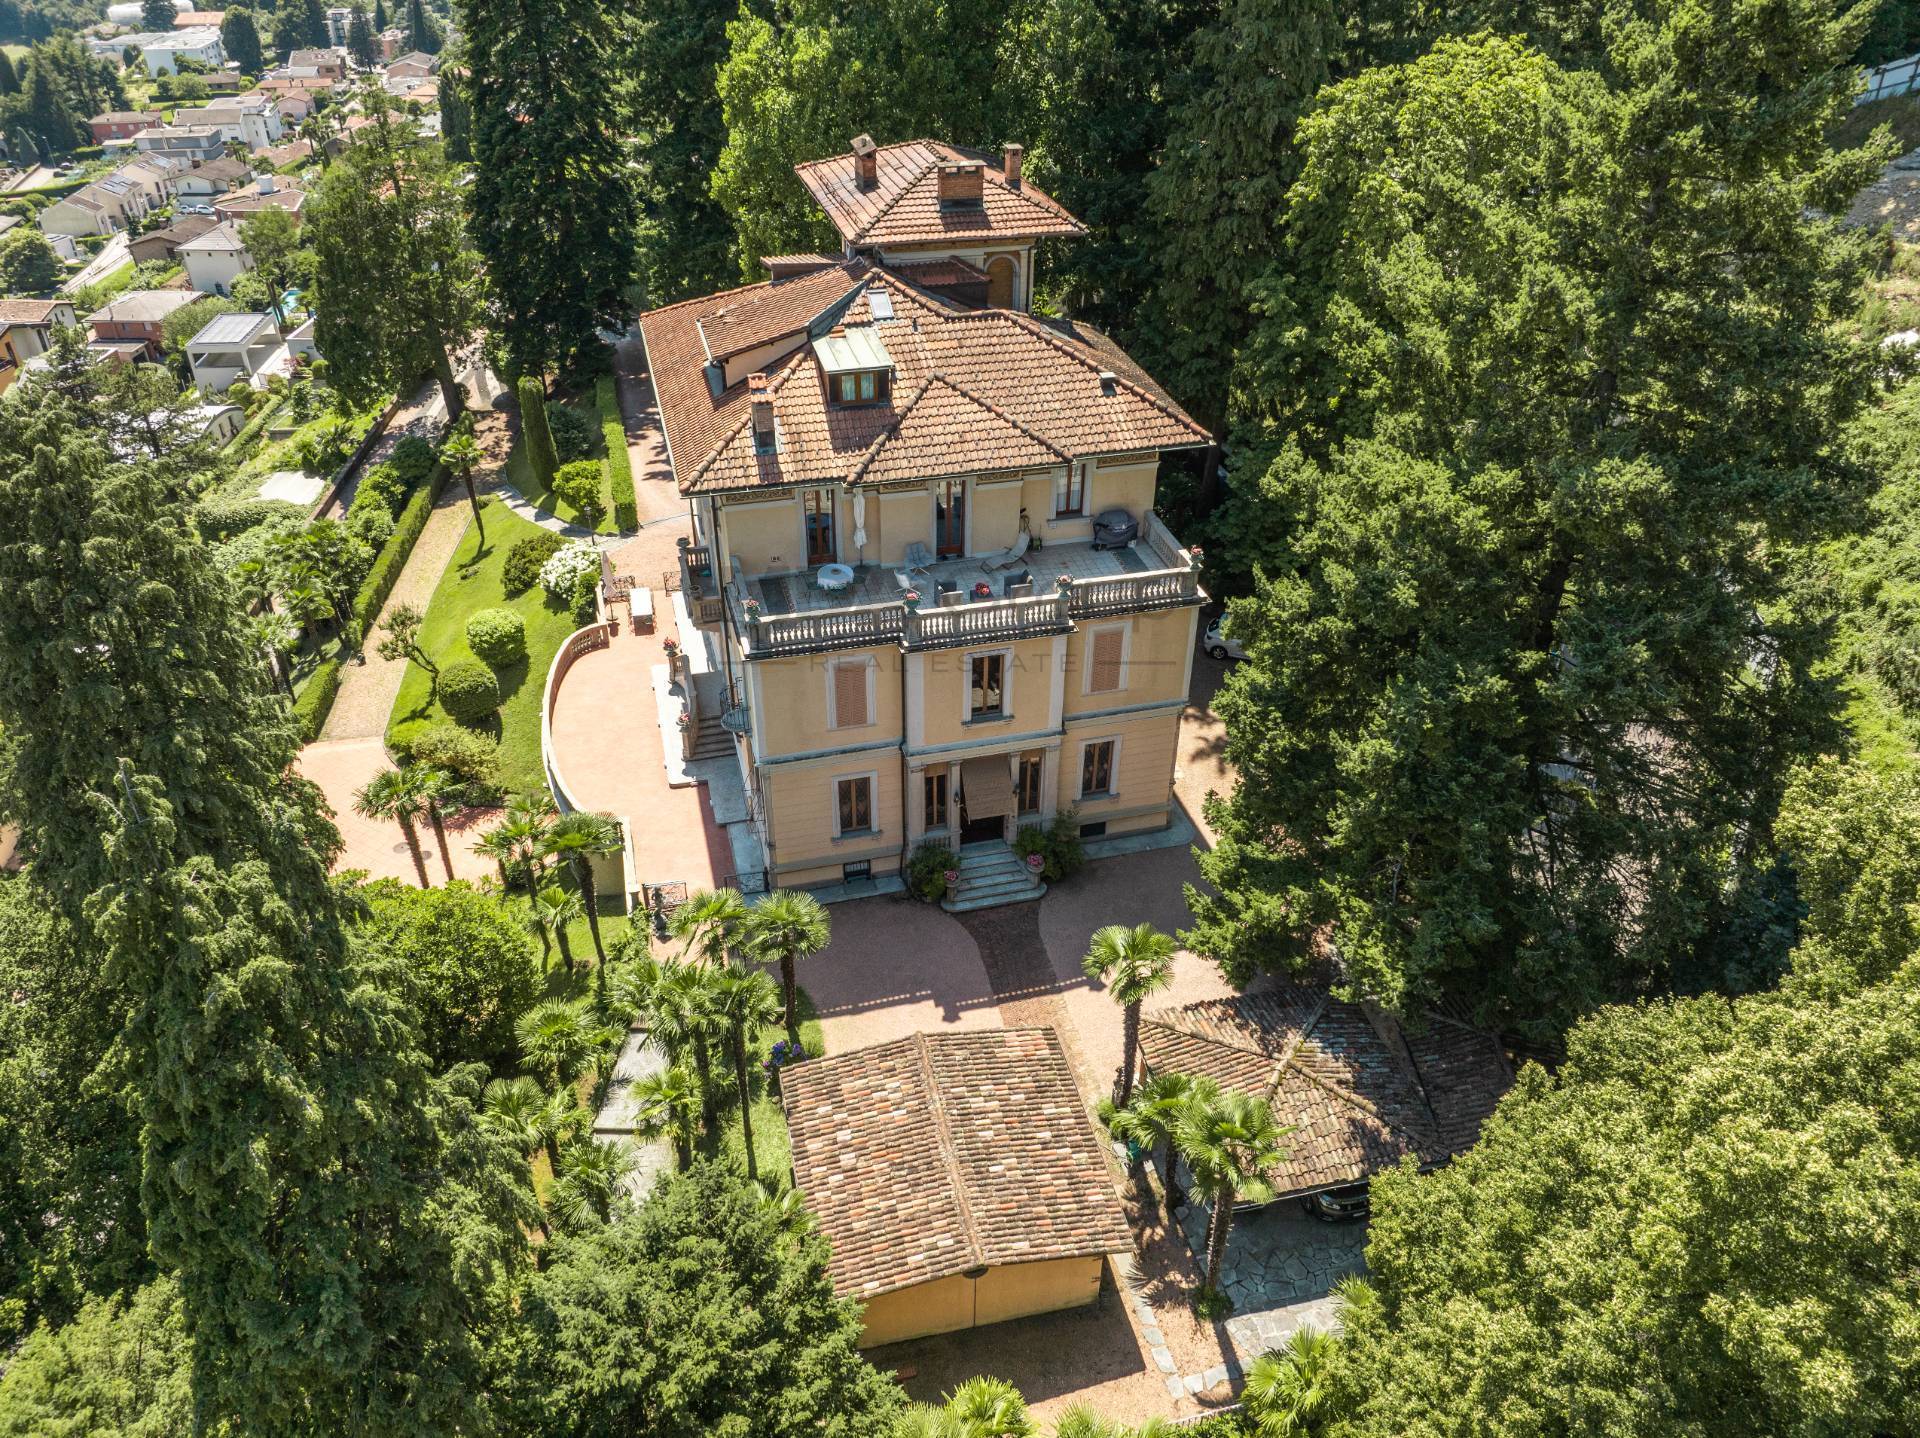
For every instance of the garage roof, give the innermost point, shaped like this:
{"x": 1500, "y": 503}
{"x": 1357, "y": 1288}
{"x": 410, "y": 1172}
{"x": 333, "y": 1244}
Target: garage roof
{"x": 1359, "y": 1091}
{"x": 931, "y": 1155}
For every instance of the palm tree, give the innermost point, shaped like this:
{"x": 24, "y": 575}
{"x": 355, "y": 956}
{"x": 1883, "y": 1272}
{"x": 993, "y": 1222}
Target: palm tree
{"x": 556, "y": 1039}
{"x": 560, "y": 1118}
{"x": 276, "y": 636}
{"x": 989, "y": 1408}
{"x": 1229, "y": 1141}
{"x": 552, "y": 910}
{"x": 786, "y": 926}
{"x": 746, "y": 1003}
{"x": 1153, "y": 1117}
{"x": 681, "y": 1017}
{"x": 515, "y": 1110}
{"x": 1133, "y": 962}
{"x": 1288, "y": 1389}
{"x": 432, "y": 786}
{"x": 390, "y": 794}
{"x": 589, "y": 1175}
{"x": 462, "y": 456}
{"x": 709, "y": 923}
{"x": 498, "y": 845}
{"x": 668, "y": 1106}
{"x": 579, "y": 839}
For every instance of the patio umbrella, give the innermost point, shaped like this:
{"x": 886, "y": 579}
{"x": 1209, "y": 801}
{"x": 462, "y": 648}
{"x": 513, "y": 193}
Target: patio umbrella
{"x": 860, "y": 519}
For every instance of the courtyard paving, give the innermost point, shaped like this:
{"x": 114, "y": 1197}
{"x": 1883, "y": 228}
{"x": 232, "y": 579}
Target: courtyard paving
{"x": 1280, "y": 1270}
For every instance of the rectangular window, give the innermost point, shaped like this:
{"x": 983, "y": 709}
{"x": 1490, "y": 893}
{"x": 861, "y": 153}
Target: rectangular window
{"x": 860, "y": 870}
{"x": 855, "y": 804}
{"x": 987, "y": 684}
{"x": 1094, "y": 830}
{"x": 1096, "y": 769}
{"x": 1070, "y": 491}
{"x": 863, "y": 387}
{"x": 1028, "y": 788}
{"x": 866, "y": 384}
{"x": 936, "y": 798}
{"x": 848, "y": 680}
{"x": 1106, "y": 657}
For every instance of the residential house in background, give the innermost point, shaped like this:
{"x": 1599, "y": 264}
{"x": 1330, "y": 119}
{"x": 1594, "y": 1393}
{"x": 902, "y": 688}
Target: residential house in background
{"x": 196, "y": 144}
{"x": 413, "y": 65}
{"x": 203, "y": 183}
{"x": 226, "y": 82}
{"x": 294, "y": 152}
{"x": 328, "y": 63}
{"x": 268, "y": 192}
{"x": 123, "y": 124}
{"x": 162, "y": 51}
{"x": 294, "y": 106}
{"x": 110, "y": 203}
{"x": 250, "y": 120}
{"x": 215, "y": 258}
{"x": 164, "y": 244}
{"x": 926, "y": 562}
{"x": 81, "y": 213}
{"x": 137, "y": 317}
{"x": 235, "y": 347}
{"x": 31, "y": 324}
{"x": 199, "y": 19}
{"x": 391, "y": 42}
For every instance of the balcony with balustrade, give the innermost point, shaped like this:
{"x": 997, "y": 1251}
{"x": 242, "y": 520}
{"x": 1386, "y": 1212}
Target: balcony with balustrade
{"x": 961, "y": 601}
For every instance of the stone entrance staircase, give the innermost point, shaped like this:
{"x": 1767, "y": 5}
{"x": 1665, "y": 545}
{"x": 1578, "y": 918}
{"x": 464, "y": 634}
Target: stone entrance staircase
{"x": 711, "y": 741}
{"x": 991, "y": 874}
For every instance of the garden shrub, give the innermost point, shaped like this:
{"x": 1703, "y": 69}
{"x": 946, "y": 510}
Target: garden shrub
{"x": 314, "y": 702}
{"x": 572, "y": 433}
{"x": 498, "y": 636}
{"x": 626, "y": 507}
{"x": 373, "y": 526}
{"x": 387, "y": 565}
{"x": 468, "y": 690}
{"x": 927, "y": 870}
{"x": 413, "y": 460}
{"x": 1057, "y": 843}
{"x": 560, "y": 576}
{"x": 522, "y": 569}
{"x": 380, "y": 484}
{"x": 585, "y": 590}
{"x": 235, "y": 516}
{"x": 471, "y": 757}
{"x": 578, "y": 484}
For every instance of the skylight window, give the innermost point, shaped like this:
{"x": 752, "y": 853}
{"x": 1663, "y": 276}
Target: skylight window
{"x": 880, "y": 304}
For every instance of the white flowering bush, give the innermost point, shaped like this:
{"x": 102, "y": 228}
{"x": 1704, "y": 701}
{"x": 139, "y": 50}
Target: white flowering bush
{"x": 560, "y": 575}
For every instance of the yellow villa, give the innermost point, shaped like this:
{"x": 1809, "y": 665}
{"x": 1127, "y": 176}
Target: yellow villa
{"x": 925, "y": 549}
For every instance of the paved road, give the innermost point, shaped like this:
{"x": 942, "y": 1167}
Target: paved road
{"x": 112, "y": 255}
{"x": 39, "y": 175}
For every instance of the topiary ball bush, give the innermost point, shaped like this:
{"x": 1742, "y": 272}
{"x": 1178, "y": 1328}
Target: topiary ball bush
{"x": 572, "y": 433}
{"x": 468, "y": 691}
{"x": 498, "y": 636}
{"x": 522, "y": 569}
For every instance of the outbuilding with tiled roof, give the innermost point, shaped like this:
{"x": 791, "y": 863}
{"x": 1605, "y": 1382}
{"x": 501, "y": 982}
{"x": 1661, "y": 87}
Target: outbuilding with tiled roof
{"x": 957, "y": 1178}
{"x": 1357, "y": 1090}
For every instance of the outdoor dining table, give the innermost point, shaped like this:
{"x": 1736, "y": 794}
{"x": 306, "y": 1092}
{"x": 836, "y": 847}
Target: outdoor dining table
{"x": 834, "y": 576}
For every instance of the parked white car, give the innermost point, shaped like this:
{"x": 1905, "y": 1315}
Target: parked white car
{"x": 1220, "y": 644}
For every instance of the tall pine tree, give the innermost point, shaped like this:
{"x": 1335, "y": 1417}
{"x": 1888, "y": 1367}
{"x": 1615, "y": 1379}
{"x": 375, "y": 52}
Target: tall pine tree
{"x": 240, "y": 38}
{"x": 552, "y": 203}
{"x": 9, "y": 77}
{"x": 685, "y": 237}
{"x": 1561, "y": 359}
{"x": 332, "y": 1212}
{"x": 360, "y": 39}
{"x": 422, "y": 34}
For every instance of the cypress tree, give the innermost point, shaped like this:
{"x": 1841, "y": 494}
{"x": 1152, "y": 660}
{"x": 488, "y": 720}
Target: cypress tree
{"x": 421, "y": 34}
{"x": 360, "y": 39}
{"x": 456, "y": 118}
{"x": 533, "y": 425}
{"x": 331, "y": 1210}
{"x": 312, "y": 31}
{"x": 379, "y": 17}
{"x": 553, "y": 206}
{"x": 46, "y": 112}
{"x": 157, "y": 15}
{"x": 9, "y": 77}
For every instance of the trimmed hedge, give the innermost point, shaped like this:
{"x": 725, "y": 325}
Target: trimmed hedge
{"x": 522, "y": 569}
{"x": 250, "y": 431}
{"x": 626, "y": 506}
{"x": 392, "y": 558}
{"x": 313, "y": 703}
{"x": 572, "y": 433}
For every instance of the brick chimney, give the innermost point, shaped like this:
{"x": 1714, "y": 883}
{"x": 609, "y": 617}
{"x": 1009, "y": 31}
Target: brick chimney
{"x": 960, "y": 183}
{"x": 760, "y": 401}
{"x": 1010, "y": 163}
{"x": 866, "y": 161}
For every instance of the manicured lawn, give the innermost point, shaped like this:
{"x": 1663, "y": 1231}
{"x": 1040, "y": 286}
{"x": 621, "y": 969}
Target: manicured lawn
{"x": 472, "y": 582}
{"x": 520, "y": 473}
{"x": 771, "y": 1149}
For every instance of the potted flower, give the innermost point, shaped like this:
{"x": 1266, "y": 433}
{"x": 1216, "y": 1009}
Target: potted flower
{"x": 982, "y": 589}
{"x": 685, "y": 720}
{"x": 952, "y": 876}
{"x": 751, "y": 607}
{"x": 670, "y": 645}
{"x": 911, "y": 598}
{"x": 1035, "y": 863}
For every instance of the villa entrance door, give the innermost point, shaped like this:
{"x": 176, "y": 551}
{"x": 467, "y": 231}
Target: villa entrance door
{"x": 986, "y": 798}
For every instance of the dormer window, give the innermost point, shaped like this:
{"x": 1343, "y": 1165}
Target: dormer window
{"x": 868, "y": 386}
{"x": 856, "y": 365}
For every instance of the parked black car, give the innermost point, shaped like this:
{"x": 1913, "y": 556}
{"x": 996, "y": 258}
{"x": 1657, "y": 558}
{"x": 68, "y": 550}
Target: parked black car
{"x": 1337, "y": 1205}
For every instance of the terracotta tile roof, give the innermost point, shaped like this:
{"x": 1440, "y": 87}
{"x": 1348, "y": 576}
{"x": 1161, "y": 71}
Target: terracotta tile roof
{"x": 1358, "y": 1097}
{"x": 814, "y": 259}
{"x": 930, "y": 1155}
{"x": 31, "y": 312}
{"x": 1014, "y": 391}
{"x": 904, "y": 205}
{"x": 930, "y": 274}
